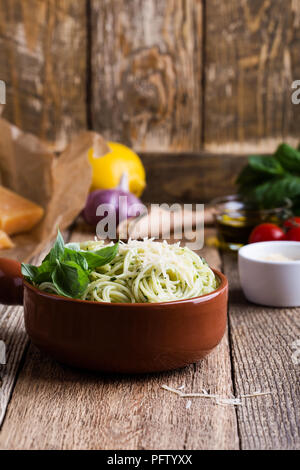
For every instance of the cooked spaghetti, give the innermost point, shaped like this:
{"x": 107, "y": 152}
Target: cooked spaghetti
{"x": 147, "y": 271}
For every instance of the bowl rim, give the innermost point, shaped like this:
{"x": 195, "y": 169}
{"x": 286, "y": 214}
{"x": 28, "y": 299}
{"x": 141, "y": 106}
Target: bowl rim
{"x": 242, "y": 253}
{"x": 223, "y": 285}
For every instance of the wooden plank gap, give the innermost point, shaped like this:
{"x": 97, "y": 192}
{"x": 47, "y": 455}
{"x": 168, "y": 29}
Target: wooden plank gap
{"x": 89, "y": 72}
{"x": 203, "y": 77}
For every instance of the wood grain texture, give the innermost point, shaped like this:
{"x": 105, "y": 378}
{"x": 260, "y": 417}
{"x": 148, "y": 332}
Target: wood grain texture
{"x": 261, "y": 339}
{"x": 146, "y": 72}
{"x": 12, "y": 332}
{"x": 55, "y": 407}
{"x": 43, "y": 62}
{"x": 251, "y": 59}
{"x": 190, "y": 178}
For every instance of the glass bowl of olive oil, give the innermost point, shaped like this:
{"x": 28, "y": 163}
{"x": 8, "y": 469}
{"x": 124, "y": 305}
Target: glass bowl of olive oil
{"x": 235, "y": 218}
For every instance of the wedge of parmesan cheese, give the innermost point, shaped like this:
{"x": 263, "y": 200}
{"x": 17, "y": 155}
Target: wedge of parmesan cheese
{"x": 17, "y": 214}
{"x": 5, "y": 241}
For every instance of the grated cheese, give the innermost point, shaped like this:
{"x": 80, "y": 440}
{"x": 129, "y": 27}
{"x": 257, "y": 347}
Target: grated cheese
{"x": 229, "y": 401}
{"x": 149, "y": 271}
{"x": 256, "y": 394}
{"x": 188, "y": 395}
{"x": 219, "y": 400}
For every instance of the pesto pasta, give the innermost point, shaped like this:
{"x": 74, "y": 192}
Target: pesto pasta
{"x": 149, "y": 271}
{"x": 146, "y": 271}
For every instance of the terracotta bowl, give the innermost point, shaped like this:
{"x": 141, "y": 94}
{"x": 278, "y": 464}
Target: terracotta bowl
{"x": 126, "y": 338}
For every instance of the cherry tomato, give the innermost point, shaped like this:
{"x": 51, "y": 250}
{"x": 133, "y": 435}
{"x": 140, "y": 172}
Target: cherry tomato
{"x": 266, "y": 232}
{"x": 292, "y": 222}
{"x": 293, "y": 234}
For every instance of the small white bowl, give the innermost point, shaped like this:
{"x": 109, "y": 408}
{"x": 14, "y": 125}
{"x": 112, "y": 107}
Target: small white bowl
{"x": 271, "y": 283}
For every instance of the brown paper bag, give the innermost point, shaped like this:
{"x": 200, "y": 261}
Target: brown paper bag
{"x": 60, "y": 184}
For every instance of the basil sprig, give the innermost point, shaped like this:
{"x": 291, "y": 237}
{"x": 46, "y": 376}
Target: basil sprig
{"x": 68, "y": 267}
{"x": 269, "y": 181}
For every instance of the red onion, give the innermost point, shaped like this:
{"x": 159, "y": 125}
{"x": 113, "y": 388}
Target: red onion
{"x": 121, "y": 201}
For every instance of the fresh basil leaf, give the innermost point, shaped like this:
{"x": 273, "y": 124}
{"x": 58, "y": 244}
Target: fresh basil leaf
{"x": 268, "y": 165}
{"x": 288, "y": 157}
{"x": 77, "y": 257}
{"x": 67, "y": 267}
{"x": 37, "y": 275}
{"x": 43, "y": 277}
{"x": 269, "y": 181}
{"x": 95, "y": 259}
{"x": 108, "y": 252}
{"x": 44, "y": 273}
{"x": 249, "y": 177}
{"x": 82, "y": 276}
{"x": 29, "y": 271}
{"x": 57, "y": 251}
{"x": 275, "y": 192}
{"x": 69, "y": 279}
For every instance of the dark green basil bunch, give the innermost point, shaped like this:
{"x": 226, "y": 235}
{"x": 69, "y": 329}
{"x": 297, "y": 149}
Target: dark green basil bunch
{"x": 268, "y": 181}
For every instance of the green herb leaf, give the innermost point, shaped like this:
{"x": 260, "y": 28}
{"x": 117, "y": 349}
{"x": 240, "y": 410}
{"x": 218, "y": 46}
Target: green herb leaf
{"x": 70, "y": 279}
{"x": 269, "y": 181}
{"x": 249, "y": 178}
{"x": 68, "y": 266}
{"x": 77, "y": 257}
{"x": 57, "y": 251}
{"x": 43, "y": 273}
{"x": 275, "y": 192}
{"x": 37, "y": 275}
{"x": 288, "y": 157}
{"x": 29, "y": 271}
{"x": 95, "y": 259}
{"x": 268, "y": 165}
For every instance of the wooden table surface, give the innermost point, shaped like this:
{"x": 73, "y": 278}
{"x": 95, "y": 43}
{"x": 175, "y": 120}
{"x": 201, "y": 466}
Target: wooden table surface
{"x": 45, "y": 405}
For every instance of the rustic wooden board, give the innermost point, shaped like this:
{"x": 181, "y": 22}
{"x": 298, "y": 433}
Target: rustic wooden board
{"x": 55, "y": 407}
{"x": 12, "y": 332}
{"x": 251, "y": 59}
{"x": 43, "y": 62}
{"x": 190, "y": 178}
{"x": 261, "y": 340}
{"x": 146, "y": 72}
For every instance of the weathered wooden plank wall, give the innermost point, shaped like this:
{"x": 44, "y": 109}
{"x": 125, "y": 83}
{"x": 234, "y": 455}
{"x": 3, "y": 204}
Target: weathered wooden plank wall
{"x": 252, "y": 58}
{"x": 172, "y": 76}
{"x": 146, "y": 72}
{"x": 43, "y": 62}
{"x": 190, "y": 177}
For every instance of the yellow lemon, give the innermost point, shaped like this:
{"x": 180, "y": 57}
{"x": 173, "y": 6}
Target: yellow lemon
{"x": 108, "y": 169}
